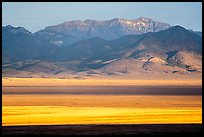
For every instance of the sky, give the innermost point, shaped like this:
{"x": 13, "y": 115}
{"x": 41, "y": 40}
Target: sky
{"x": 38, "y": 15}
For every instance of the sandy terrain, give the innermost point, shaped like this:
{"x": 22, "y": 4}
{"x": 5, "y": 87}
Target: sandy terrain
{"x": 37, "y": 105}
{"x": 95, "y": 82}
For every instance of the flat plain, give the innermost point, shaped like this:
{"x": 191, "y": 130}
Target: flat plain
{"x": 89, "y": 107}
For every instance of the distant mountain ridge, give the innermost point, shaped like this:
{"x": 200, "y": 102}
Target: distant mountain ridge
{"x": 163, "y": 50}
{"x": 72, "y": 31}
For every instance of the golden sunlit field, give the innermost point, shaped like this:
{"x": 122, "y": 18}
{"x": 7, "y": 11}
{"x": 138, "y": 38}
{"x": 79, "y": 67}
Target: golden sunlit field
{"x": 52, "y": 109}
{"x": 94, "y": 82}
{"x": 33, "y": 101}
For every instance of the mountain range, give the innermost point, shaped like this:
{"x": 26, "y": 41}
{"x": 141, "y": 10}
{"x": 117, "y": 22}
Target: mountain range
{"x": 113, "y": 48}
{"x": 72, "y": 31}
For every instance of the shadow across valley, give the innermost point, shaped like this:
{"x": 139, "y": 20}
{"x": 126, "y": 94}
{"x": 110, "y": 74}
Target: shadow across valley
{"x": 120, "y": 129}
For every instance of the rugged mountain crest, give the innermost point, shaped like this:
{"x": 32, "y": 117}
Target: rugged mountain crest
{"x": 163, "y": 51}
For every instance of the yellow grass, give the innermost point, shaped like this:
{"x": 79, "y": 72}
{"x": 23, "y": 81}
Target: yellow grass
{"x": 94, "y": 82}
{"x": 47, "y": 109}
{"x": 46, "y": 115}
{"x": 127, "y": 101}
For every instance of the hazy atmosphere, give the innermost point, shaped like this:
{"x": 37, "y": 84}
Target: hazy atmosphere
{"x": 35, "y": 16}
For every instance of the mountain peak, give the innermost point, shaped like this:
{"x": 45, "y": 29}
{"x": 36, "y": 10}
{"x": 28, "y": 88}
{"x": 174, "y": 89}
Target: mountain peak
{"x": 16, "y": 29}
{"x": 8, "y": 26}
{"x": 179, "y": 27}
{"x": 144, "y": 19}
{"x": 74, "y": 22}
{"x": 117, "y": 20}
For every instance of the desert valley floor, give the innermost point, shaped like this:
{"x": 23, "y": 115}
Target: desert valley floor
{"x": 110, "y": 104}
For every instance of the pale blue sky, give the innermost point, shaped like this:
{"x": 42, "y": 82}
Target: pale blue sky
{"x": 35, "y": 16}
